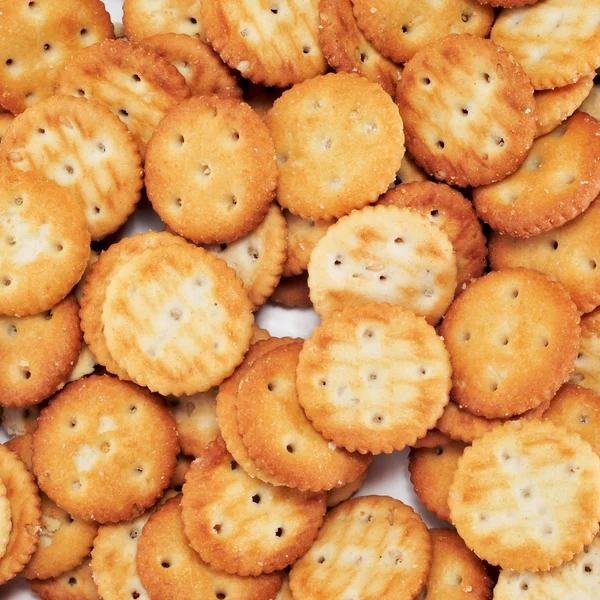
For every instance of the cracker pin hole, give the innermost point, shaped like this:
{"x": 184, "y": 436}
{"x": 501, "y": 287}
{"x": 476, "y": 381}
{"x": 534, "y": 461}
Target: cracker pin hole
{"x": 378, "y": 419}
{"x": 220, "y": 595}
{"x": 136, "y": 77}
{"x": 233, "y": 465}
{"x": 165, "y": 564}
{"x": 47, "y": 47}
{"x": 6, "y": 281}
{"x": 135, "y": 595}
{"x": 217, "y": 528}
{"x": 279, "y": 531}
{"x": 83, "y": 31}
{"x": 290, "y": 448}
{"x": 72, "y": 580}
{"x": 256, "y": 499}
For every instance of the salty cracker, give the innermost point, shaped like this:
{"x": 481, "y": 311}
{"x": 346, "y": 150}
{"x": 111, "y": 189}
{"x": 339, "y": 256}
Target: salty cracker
{"x": 292, "y": 292}
{"x": 557, "y": 182}
{"x": 587, "y": 364}
{"x": 339, "y": 143}
{"x": 577, "y": 409}
{"x": 5, "y": 520}
{"x": 196, "y": 420}
{"x": 431, "y": 473}
{"x": 347, "y": 49}
{"x": 504, "y": 501}
{"x": 18, "y": 421}
{"x": 456, "y": 573}
{"x": 104, "y": 449}
{"x": 555, "y": 41}
{"x": 78, "y": 289}
{"x": 171, "y": 569}
{"x": 182, "y": 467}
{"x": 293, "y": 453}
{"x": 258, "y": 258}
{"x": 201, "y": 66}
{"x": 409, "y": 172}
{"x": 468, "y": 110}
{"x": 372, "y": 548}
{"x": 454, "y": 215}
{"x": 512, "y": 337}
{"x": 569, "y": 254}
{"x": 432, "y": 439}
{"x": 177, "y": 319}
{"x": 133, "y": 82}
{"x": 210, "y": 169}
{"x": 77, "y": 584}
{"x": 373, "y": 378}
{"x": 242, "y": 525}
{"x": 24, "y": 514}
{"x": 384, "y": 254}
{"x": 83, "y": 147}
{"x": 285, "y": 593}
{"x": 400, "y": 28}
{"x": 145, "y": 18}
{"x": 85, "y": 364}
{"x": 552, "y": 107}
{"x": 259, "y": 334}
{"x": 275, "y": 44}
{"x": 38, "y": 39}
{"x": 336, "y": 496}
{"x": 577, "y": 578}
{"x": 97, "y": 280}
{"x": 37, "y": 353}
{"x": 303, "y": 236}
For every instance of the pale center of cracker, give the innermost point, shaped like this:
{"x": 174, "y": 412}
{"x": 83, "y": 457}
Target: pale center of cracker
{"x": 49, "y": 527}
{"x": 106, "y": 424}
{"x": 31, "y": 242}
{"x": 85, "y": 458}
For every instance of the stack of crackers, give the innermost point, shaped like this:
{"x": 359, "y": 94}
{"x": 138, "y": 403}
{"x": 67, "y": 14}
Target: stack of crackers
{"x": 424, "y": 175}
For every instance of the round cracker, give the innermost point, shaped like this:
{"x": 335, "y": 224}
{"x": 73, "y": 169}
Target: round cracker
{"x": 142, "y": 19}
{"x": 189, "y": 178}
{"x": 133, "y": 82}
{"x": 38, "y": 39}
{"x": 272, "y": 44}
{"x": 556, "y": 41}
{"x": 569, "y": 254}
{"x": 25, "y": 515}
{"x": 504, "y": 501}
{"x": 454, "y": 215}
{"x": 339, "y": 143}
{"x": 292, "y": 292}
{"x": 85, "y": 365}
{"x": 383, "y": 254}
{"x": 37, "y": 353}
{"x": 468, "y": 110}
{"x": 409, "y": 172}
{"x": 104, "y": 449}
{"x": 171, "y": 570}
{"x": 45, "y": 242}
{"x": 258, "y": 258}
{"x": 177, "y": 319}
{"x": 259, "y": 334}
{"x": 373, "y": 378}
{"x": 338, "y": 495}
{"x": 285, "y": 593}
{"x": 557, "y": 182}
{"x": 293, "y": 453}
{"x": 77, "y": 584}
{"x": 552, "y": 107}
{"x": 400, "y": 28}
{"x": 85, "y": 148}
{"x": 432, "y": 439}
{"x": 431, "y": 472}
{"x": 242, "y": 525}
{"x": 369, "y": 547}
{"x": 20, "y": 420}
{"x": 456, "y": 572}
{"x": 512, "y": 337}
{"x": 348, "y": 50}
{"x": 203, "y": 70}
{"x": 587, "y": 364}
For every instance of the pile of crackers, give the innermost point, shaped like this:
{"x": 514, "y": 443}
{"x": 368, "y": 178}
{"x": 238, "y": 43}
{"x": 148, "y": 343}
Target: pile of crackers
{"x": 425, "y": 175}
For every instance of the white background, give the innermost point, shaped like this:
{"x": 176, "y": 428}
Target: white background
{"x": 388, "y": 474}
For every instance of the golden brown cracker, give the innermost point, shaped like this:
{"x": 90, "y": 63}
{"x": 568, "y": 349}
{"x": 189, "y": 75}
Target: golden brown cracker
{"x": 468, "y": 110}
{"x": 78, "y": 289}
{"x": 210, "y": 169}
{"x": 338, "y": 495}
{"x": 201, "y": 66}
{"x": 454, "y": 215}
{"x": 19, "y": 421}
{"x": 373, "y": 378}
{"x": 384, "y": 254}
{"x": 433, "y": 438}
{"x": 431, "y": 473}
{"x": 38, "y": 39}
{"x": 569, "y": 254}
{"x": 557, "y": 182}
{"x": 77, "y": 584}
{"x": 45, "y": 241}
{"x": 508, "y": 3}
{"x": 272, "y": 44}
{"x": 374, "y": 547}
{"x": 258, "y": 258}
{"x": 512, "y": 337}
{"x": 400, "y": 28}
{"x": 182, "y": 467}
{"x": 504, "y": 501}
{"x": 556, "y": 41}
{"x": 339, "y": 141}
{"x": 37, "y": 353}
{"x": 170, "y": 569}
{"x": 177, "y": 319}
{"x": 348, "y": 50}
{"x": 409, "y": 172}
{"x": 133, "y": 82}
{"x": 242, "y": 525}
{"x": 5, "y": 519}
{"x": 587, "y": 363}
{"x": 293, "y": 453}
{"x": 285, "y": 593}
{"x": 591, "y": 105}
{"x": 104, "y": 449}
{"x": 259, "y": 334}
{"x": 293, "y": 292}
{"x": 83, "y": 147}
{"x": 85, "y": 364}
